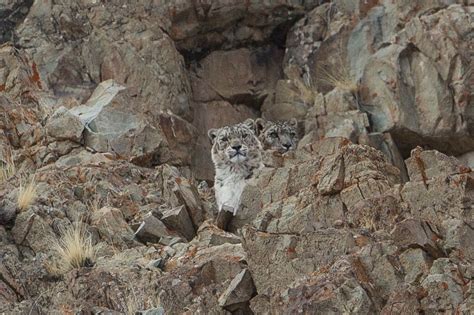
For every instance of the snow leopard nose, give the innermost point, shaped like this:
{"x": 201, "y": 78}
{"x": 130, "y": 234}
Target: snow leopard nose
{"x": 236, "y": 147}
{"x": 287, "y": 146}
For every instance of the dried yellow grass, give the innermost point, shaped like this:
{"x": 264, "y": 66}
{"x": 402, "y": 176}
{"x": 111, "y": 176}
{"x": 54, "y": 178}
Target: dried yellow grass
{"x": 137, "y": 302}
{"x": 337, "y": 76}
{"x": 74, "y": 249}
{"x": 26, "y": 194}
{"x": 7, "y": 169}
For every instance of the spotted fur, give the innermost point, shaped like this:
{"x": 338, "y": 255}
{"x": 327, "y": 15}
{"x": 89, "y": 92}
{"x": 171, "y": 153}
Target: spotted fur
{"x": 281, "y": 136}
{"x": 236, "y": 154}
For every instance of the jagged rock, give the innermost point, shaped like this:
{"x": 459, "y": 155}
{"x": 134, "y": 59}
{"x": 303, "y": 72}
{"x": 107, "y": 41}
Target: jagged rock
{"x": 416, "y": 264}
{"x": 33, "y": 231}
{"x": 180, "y": 138}
{"x": 152, "y": 230}
{"x": 178, "y": 220}
{"x": 444, "y": 288}
{"x": 286, "y": 103}
{"x": 332, "y": 290}
{"x": 275, "y": 260}
{"x": 200, "y": 26}
{"x": 179, "y": 191}
{"x": 458, "y": 239}
{"x": 441, "y": 198}
{"x": 7, "y": 212}
{"x": 404, "y": 300}
{"x": 111, "y": 225}
{"x": 467, "y": 159}
{"x": 152, "y": 311}
{"x": 379, "y": 264}
{"x": 111, "y": 130}
{"x": 210, "y": 235}
{"x": 384, "y": 142}
{"x": 413, "y": 233}
{"x": 195, "y": 280}
{"x": 240, "y": 290}
{"x": 332, "y": 178}
{"x": 425, "y": 165}
{"x": 64, "y": 125}
{"x": 416, "y": 61}
{"x": 374, "y": 213}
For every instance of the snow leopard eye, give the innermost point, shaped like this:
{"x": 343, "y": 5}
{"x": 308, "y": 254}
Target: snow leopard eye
{"x": 274, "y": 134}
{"x": 293, "y": 134}
{"x": 224, "y": 139}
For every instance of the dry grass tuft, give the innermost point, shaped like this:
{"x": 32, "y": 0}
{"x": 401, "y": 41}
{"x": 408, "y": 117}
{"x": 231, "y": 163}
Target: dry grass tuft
{"x": 138, "y": 302}
{"x": 337, "y": 76}
{"x": 74, "y": 249}
{"x": 27, "y": 194}
{"x": 7, "y": 169}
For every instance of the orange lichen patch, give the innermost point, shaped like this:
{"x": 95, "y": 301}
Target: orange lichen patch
{"x": 35, "y": 78}
{"x": 2, "y": 87}
{"x": 443, "y": 285}
{"x": 291, "y": 250}
{"x": 359, "y": 270}
{"x": 464, "y": 169}
{"x": 421, "y": 165}
{"x": 170, "y": 265}
{"x": 192, "y": 252}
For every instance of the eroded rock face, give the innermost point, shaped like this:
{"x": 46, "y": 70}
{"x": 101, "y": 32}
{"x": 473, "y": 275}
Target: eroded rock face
{"x": 108, "y": 104}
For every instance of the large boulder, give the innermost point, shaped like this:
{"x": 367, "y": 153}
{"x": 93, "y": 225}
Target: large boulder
{"x": 407, "y": 86}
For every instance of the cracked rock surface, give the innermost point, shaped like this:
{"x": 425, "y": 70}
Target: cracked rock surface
{"x": 105, "y": 106}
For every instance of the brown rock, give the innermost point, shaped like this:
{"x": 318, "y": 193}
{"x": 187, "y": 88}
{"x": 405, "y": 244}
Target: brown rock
{"x": 425, "y": 165}
{"x": 414, "y": 233}
{"x": 178, "y": 220}
{"x": 240, "y": 290}
{"x": 276, "y": 260}
{"x": 111, "y": 225}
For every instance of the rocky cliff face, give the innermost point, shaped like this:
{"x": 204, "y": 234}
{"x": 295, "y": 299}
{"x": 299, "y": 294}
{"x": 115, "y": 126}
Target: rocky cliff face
{"x": 108, "y": 103}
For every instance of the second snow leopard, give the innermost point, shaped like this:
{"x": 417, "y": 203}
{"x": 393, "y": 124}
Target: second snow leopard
{"x": 281, "y": 136}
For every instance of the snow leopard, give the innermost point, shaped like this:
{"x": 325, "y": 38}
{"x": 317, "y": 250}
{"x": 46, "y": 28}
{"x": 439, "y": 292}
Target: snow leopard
{"x": 281, "y": 136}
{"x": 236, "y": 154}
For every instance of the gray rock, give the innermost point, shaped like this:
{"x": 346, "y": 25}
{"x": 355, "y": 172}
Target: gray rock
{"x": 407, "y": 86}
{"x": 210, "y": 235}
{"x": 111, "y": 225}
{"x": 276, "y": 260}
{"x": 413, "y": 233}
{"x": 178, "y": 190}
{"x": 64, "y": 125}
{"x": 424, "y": 165}
{"x": 152, "y": 230}
{"x": 416, "y": 264}
{"x": 444, "y": 197}
{"x": 178, "y": 220}
{"x": 332, "y": 178}
{"x": 240, "y": 290}
{"x": 152, "y": 311}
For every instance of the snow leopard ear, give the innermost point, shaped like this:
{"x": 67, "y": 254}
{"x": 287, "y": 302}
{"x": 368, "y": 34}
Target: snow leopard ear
{"x": 260, "y": 124}
{"x": 212, "y": 134}
{"x": 250, "y": 123}
{"x": 293, "y": 123}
